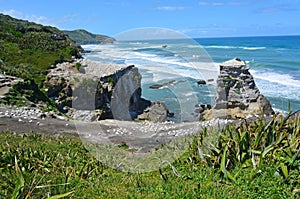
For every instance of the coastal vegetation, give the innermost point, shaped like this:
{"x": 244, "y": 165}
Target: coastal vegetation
{"x": 259, "y": 159}
{"x": 83, "y": 37}
{"x": 246, "y": 159}
{"x": 27, "y": 51}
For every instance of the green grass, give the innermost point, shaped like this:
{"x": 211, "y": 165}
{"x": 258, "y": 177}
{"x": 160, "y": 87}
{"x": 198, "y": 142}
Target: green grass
{"x": 33, "y": 61}
{"x": 256, "y": 160}
{"x": 84, "y": 37}
{"x": 27, "y": 51}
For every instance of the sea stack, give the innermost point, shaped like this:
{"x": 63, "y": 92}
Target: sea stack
{"x": 237, "y": 94}
{"x": 96, "y": 91}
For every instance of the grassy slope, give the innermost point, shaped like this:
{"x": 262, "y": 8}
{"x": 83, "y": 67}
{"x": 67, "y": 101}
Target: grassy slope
{"x": 40, "y": 166}
{"x": 84, "y": 37}
{"x": 28, "y": 49}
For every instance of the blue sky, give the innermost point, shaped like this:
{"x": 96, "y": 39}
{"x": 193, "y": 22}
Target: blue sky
{"x": 195, "y": 18}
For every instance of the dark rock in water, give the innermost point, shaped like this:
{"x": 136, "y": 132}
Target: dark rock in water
{"x": 157, "y": 86}
{"x": 199, "y": 110}
{"x": 201, "y": 82}
{"x": 157, "y": 112}
{"x": 208, "y": 106}
{"x": 204, "y": 106}
{"x": 237, "y": 94}
{"x": 170, "y": 114}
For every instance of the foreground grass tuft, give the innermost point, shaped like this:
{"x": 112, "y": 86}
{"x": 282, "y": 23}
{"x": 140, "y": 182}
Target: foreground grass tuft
{"x": 255, "y": 160}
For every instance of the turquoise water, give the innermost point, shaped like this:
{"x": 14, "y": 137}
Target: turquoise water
{"x": 273, "y": 61}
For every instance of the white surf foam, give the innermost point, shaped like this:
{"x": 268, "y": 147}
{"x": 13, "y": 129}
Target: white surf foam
{"x": 253, "y": 48}
{"x": 277, "y": 85}
{"x": 237, "y": 47}
{"x": 283, "y": 79}
{"x": 89, "y": 47}
{"x": 194, "y": 70}
{"x": 221, "y": 47}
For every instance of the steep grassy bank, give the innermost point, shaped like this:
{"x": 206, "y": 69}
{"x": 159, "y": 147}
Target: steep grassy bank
{"x": 256, "y": 160}
{"x": 27, "y": 51}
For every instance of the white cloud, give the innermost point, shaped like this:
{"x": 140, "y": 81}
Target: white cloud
{"x": 277, "y": 8}
{"x": 34, "y": 18}
{"x": 171, "y": 8}
{"x": 203, "y": 3}
{"x": 12, "y": 13}
{"x": 149, "y": 33}
{"x": 218, "y": 3}
{"x": 238, "y": 3}
{"x": 206, "y": 3}
{"x": 56, "y": 22}
{"x": 209, "y": 31}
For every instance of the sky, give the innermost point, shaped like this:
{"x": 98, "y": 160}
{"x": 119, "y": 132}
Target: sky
{"x": 194, "y": 18}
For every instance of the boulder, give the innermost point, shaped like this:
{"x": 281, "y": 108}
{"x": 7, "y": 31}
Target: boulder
{"x": 237, "y": 94}
{"x": 6, "y": 82}
{"x": 199, "y": 111}
{"x": 157, "y": 112}
{"x": 201, "y": 82}
{"x": 157, "y": 86}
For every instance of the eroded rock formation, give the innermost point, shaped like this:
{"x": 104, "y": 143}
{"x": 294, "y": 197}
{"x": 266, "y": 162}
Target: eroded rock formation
{"x": 157, "y": 112}
{"x": 237, "y": 94}
{"x": 6, "y": 82}
{"x": 92, "y": 91}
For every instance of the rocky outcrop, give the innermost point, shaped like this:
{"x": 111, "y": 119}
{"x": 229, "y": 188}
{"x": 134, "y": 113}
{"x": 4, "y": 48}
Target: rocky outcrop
{"x": 237, "y": 94}
{"x": 6, "y": 82}
{"x": 158, "y": 86}
{"x": 91, "y": 91}
{"x": 157, "y": 112}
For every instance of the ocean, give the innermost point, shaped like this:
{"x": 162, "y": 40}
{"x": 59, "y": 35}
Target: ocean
{"x": 178, "y": 64}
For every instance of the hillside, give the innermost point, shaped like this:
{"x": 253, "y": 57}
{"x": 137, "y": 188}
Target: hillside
{"x": 84, "y": 37}
{"x": 28, "y": 49}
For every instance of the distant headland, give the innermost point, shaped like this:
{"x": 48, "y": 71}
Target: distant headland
{"x": 83, "y": 37}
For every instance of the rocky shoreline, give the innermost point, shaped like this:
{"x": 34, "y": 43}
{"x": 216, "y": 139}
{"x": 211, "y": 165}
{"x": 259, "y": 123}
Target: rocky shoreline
{"x": 103, "y": 118}
{"x": 140, "y": 136}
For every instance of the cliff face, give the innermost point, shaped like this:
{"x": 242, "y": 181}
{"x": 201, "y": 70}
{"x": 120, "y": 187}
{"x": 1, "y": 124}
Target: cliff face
{"x": 237, "y": 94}
{"x": 91, "y": 91}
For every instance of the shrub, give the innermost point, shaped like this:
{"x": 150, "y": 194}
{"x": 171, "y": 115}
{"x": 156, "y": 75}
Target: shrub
{"x": 77, "y": 66}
